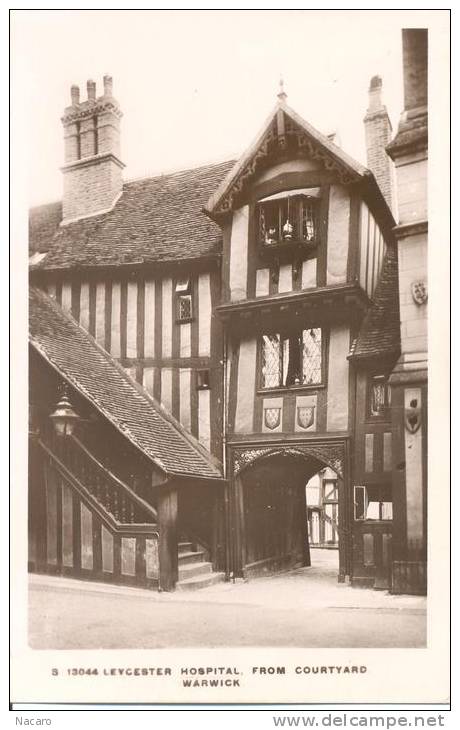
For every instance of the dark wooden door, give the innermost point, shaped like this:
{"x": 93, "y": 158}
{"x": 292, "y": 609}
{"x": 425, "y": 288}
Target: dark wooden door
{"x": 275, "y": 517}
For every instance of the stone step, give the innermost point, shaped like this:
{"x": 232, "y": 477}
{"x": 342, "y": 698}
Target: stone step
{"x": 190, "y": 570}
{"x": 185, "y": 547}
{"x": 191, "y": 557}
{"x": 200, "y": 581}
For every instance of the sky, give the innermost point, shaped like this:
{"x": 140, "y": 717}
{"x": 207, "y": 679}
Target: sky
{"x": 196, "y": 86}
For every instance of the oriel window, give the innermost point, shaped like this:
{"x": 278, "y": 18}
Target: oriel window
{"x": 184, "y": 300}
{"x": 292, "y": 360}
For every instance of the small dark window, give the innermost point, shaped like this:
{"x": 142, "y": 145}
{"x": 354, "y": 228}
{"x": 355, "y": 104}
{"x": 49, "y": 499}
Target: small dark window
{"x": 202, "y": 380}
{"x": 379, "y": 396}
{"x": 290, "y": 360}
{"x": 373, "y": 502}
{"x": 184, "y": 300}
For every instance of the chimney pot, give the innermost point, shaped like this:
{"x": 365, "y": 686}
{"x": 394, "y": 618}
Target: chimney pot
{"x": 75, "y": 95}
{"x": 108, "y": 85}
{"x": 91, "y": 89}
{"x": 375, "y": 94}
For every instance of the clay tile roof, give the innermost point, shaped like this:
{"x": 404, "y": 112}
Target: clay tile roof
{"x": 43, "y": 222}
{"x": 380, "y": 330}
{"x": 157, "y": 219}
{"x": 94, "y": 374}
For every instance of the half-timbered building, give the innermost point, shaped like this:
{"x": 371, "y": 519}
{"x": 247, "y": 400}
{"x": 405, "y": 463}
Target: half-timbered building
{"x": 222, "y": 334}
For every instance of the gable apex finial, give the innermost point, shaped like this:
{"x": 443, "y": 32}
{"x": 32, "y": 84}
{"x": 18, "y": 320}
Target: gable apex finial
{"x": 282, "y": 96}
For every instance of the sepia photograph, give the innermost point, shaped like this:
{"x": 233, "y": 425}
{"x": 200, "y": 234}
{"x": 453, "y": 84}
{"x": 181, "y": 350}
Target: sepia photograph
{"x": 228, "y": 344}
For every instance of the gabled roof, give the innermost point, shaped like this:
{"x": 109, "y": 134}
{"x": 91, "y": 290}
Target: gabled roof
{"x": 282, "y": 123}
{"x": 157, "y": 219}
{"x": 379, "y": 335}
{"x": 98, "y": 378}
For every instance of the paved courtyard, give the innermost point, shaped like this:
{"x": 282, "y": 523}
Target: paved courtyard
{"x": 302, "y": 608}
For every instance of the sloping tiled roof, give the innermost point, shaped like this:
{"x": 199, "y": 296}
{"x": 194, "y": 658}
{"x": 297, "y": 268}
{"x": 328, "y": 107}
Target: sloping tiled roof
{"x": 156, "y": 219}
{"x": 94, "y": 374}
{"x": 380, "y": 333}
{"x": 43, "y": 223}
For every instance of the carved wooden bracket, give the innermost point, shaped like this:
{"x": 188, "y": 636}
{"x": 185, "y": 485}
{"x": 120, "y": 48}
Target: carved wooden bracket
{"x": 330, "y": 453}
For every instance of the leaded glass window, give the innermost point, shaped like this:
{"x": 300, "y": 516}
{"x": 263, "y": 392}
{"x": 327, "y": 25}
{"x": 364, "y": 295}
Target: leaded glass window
{"x": 185, "y": 306}
{"x": 292, "y": 360}
{"x": 379, "y": 396}
{"x": 311, "y": 359}
{"x": 184, "y": 300}
{"x": 272, "y": 361}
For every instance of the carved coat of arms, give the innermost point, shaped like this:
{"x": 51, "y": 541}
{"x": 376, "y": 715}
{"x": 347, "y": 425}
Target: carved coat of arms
{"x": 419, "y": 291}
{"x": 305, "y": 416}
{"x": 272, "y": 418}
{"x": 413, "y": 416}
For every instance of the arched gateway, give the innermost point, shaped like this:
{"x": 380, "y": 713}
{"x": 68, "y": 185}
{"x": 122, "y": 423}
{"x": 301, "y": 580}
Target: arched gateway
{"x": 269, "y": 515}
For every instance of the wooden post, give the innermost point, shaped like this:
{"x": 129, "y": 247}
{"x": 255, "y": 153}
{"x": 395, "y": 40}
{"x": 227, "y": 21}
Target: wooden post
{"x": 238, "y": 528}
{"x": 343, "y": 530}
{"x": 37, "y": 507}
{"x": 167, "y": 520}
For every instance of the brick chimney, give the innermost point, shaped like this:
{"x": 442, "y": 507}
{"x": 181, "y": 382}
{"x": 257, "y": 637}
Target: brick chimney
{"x": 378, "y": 130}
{"x": 92, "y": 169}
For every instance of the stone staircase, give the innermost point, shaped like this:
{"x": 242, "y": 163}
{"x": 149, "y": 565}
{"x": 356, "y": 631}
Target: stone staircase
{"x": 194, "y": 571}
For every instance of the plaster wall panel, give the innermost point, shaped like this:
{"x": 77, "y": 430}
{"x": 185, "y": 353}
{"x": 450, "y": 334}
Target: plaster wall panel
{"x": 337, "y": 234}
{"x": 244, "y": 418}
{"x": 100, "y": 313}
{"x": 204, "y": 314}
{"x": 166, "y": 388}
{"x": 84, "y": 305}
{"x": 66, "y": 297}
{"x": 115, "y": 342}
{"x": 239, "y": 254}
{"x": 309, "y": 273}
{"x": 262, "y": 282}
{"x": 204, "y": 418}
{"x": 184, "y": 387}
{"x": 166, "y": 318}
{"x": 337, "y": 385}
{"x": 131, "y": 320}
{"x": 285, "y": 278}
{"x": 149, "y": 318}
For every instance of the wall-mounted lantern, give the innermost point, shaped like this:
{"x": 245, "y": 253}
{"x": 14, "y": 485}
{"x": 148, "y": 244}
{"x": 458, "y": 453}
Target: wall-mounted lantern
{"x": 64, "y": 417}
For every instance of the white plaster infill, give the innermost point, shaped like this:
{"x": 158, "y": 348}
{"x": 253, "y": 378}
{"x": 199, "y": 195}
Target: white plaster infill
{"x": 102, "y": 211}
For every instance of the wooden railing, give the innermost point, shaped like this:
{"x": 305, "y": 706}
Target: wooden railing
{"x": 87, "y": 523}
{"x": 115, "y": 496}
